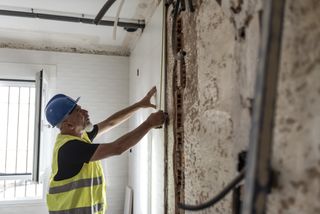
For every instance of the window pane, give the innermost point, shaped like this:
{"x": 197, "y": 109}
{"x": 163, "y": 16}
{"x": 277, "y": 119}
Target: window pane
{"x": 23, "y": 130}
{"x": 12, "y": 129}
{"x": 9, "y": 189}
{"x": 1, "y": 189}
{"x": 17, "y": 112}
{"x": 31, "y": 129}
{"x": 20, "y": 189}
{"x": 4, "y": 94}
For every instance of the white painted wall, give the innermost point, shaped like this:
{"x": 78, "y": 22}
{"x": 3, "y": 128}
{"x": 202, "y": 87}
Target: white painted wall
{"x": 102, "y": 83}
{"x": 146, "y": 162}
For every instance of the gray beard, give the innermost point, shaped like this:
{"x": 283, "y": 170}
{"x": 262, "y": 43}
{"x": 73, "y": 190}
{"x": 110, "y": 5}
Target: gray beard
{"x": 89, "y": 127}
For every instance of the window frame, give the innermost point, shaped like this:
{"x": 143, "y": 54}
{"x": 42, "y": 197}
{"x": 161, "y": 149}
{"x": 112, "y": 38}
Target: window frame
{"x": 28, "y": 177}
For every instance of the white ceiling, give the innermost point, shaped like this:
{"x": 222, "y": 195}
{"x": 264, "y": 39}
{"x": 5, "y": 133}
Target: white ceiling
{"x": 39, "y": 34}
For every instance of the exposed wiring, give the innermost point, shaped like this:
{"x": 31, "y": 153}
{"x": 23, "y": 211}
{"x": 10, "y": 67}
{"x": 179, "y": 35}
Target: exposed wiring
{"x": 178, "y": 55}
{"x": 114, "y": 35}
{"x": 103, "y": 11}
{"x": 218, "y": 197}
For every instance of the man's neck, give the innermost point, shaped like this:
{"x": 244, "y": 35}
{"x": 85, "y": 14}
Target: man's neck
{"x": 71, "y": 132}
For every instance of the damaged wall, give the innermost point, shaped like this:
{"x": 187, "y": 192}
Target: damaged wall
{"x": 297, "y": 137}
{"x": 221, "y": 39}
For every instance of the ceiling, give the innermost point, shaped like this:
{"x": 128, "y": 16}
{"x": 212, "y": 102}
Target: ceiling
{"x": 49, "y": 35}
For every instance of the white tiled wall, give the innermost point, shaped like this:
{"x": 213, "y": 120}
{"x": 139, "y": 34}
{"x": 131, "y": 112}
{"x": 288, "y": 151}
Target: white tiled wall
{"x": 102, "y": 82}
{"x": 146, "y": 168}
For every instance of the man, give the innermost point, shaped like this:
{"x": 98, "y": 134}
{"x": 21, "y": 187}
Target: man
{"x": 77, "y": 183}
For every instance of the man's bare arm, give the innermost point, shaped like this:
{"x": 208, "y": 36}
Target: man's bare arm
{"x": 126, "y": 113}
{"x": 130, "y": 139}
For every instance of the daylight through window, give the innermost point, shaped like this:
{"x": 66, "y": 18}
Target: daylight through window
{"x": 17, "y": 115}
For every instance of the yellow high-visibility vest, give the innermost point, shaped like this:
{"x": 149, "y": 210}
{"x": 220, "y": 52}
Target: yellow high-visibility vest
{"x": 84, "y": 193}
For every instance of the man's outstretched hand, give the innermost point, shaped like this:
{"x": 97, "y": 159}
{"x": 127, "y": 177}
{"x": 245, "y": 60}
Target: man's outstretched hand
{"x": 157, "y": 119}
{"x": 146, "y": 101}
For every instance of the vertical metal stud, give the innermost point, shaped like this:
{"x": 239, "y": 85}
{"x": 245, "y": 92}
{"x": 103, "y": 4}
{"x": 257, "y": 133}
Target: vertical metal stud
{"x": 258, "y": 172}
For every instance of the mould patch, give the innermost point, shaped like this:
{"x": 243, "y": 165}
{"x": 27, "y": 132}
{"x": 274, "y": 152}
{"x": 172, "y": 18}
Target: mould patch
{"x": 114, "y": 51}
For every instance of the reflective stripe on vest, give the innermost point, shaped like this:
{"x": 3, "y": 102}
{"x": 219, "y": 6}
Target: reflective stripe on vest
{"x": 75, "y": 185}
{"x": 82, "y": 210}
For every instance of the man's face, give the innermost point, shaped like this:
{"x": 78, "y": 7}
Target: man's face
{"x": 79, "y": 118}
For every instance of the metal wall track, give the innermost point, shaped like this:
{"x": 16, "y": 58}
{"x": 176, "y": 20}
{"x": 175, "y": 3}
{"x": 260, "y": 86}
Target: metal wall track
{"x": 258, "y": 172}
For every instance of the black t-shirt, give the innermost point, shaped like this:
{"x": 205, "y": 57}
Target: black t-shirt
{"x": 73, "y": 154}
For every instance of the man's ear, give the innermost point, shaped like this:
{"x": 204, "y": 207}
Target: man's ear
{"x": 69, "y": 125}
{"x": 66, "y": 124}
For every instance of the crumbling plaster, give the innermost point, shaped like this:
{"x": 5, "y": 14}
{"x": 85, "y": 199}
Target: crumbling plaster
{"x": 221, "y": 39}
{"x": 297, "y": 137}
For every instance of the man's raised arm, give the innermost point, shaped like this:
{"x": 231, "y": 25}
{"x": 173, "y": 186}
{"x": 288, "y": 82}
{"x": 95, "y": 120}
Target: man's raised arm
{"x": 126, "y": 113}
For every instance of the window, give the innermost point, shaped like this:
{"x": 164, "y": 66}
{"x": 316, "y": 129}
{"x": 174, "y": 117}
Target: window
{"x": 17, "y": 120}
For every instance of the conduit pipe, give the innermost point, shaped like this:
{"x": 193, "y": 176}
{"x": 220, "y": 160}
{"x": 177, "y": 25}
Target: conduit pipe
{"x": 103, "y": 11}
{"x": 259, "y": 175}
{"x": 132, "y": 24}
{"x": 116, "y": 19}
{"x": 216, "y": 198}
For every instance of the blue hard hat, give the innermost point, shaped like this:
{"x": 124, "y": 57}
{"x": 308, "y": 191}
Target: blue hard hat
{"x": 59, "y": 107}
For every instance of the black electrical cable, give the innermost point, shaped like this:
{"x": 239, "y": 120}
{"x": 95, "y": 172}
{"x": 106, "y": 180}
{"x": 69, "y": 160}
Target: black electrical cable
{"x": 103, "y": 11}
{"x": 217, "y": 198}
